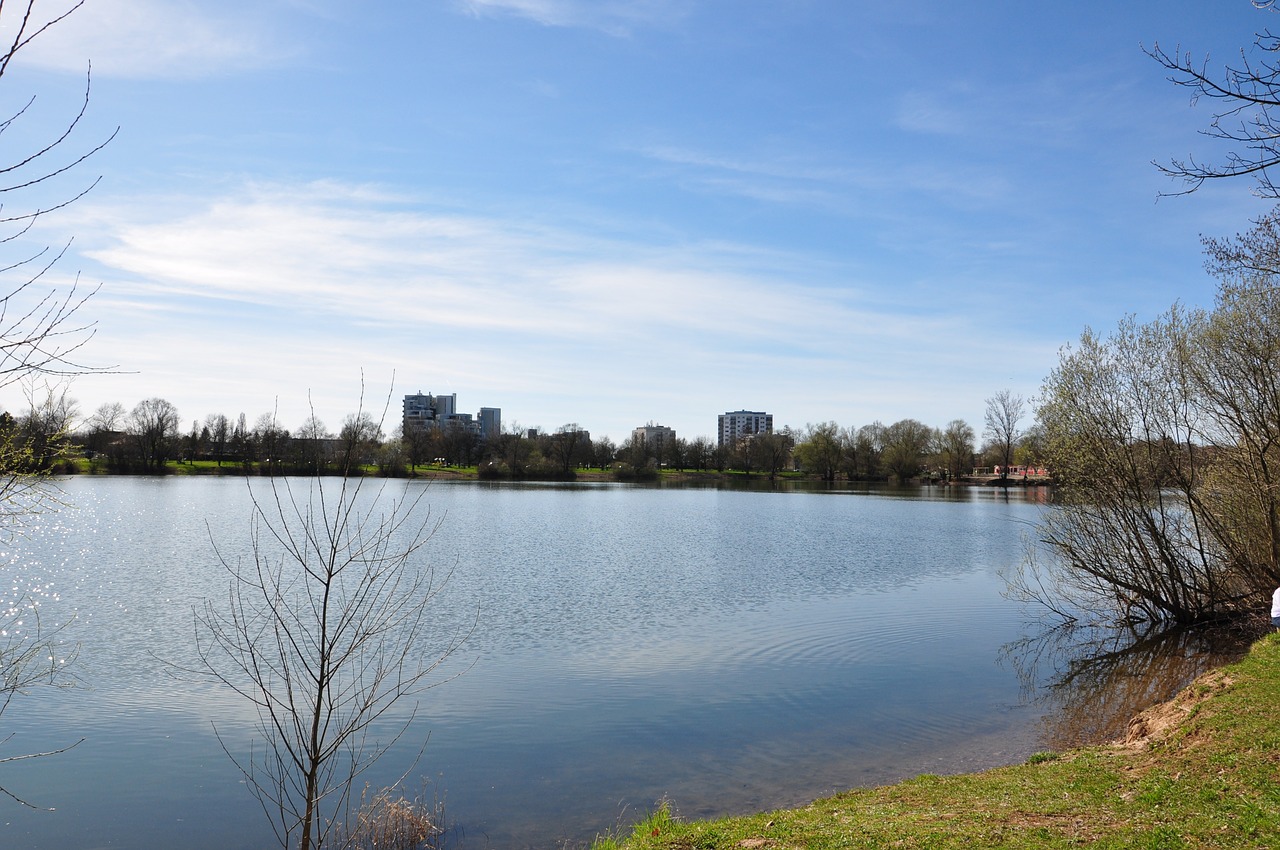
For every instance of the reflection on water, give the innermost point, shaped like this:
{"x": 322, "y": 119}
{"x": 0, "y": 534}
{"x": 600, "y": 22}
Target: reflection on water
{"x": 1092, "y": 680}
{"x": 731, "y": 650}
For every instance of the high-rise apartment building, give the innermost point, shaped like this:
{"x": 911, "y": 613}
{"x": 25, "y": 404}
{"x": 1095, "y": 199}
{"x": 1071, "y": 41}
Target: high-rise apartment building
{"x": 743, "y": 423}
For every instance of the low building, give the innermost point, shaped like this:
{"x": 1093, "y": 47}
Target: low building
{"x": 654, "y": 438}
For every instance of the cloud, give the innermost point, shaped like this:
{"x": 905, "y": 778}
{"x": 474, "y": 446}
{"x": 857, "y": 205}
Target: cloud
{"x": 616, "y": 17}
{"x": 285, "y": 293}
{"x": 356, "y": 255}
{"x": 934, "y": 113}
{"x": 837, "y": 188}
{"x": 1052, "y": 110}
{"x": 788, "y": 170}
{"x": 347, "y": 251}
{"x": 157, "y": 38}
{"x": 789, "y": 181}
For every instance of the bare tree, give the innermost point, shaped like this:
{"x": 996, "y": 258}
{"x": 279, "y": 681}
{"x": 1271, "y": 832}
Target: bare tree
{"x": 956, "y": 448}
{"x": 325, "y": 629}
{"x": 741, "y": 456}
{"x": 48, "y": 422}
{"x": 219, "y": 428}
{"x": 675, "y": 453}
{"x": 30, "y": 656}
{"x": 698, "y": 453}
{"x": 417, "y": 442}
{"x": 1164, "y": 438}
{"x": 1130, "y": 531}
{"x": 603, "y": 451}
{"x": 40, "y": 328}
{"x": 41, "y": 335}
{"x": 361, "y": 435}
{"x": 1004, "y": 414}
{"x": 512, "y": 448}
{"x": 391, "y": 458}
{"x": 458, "y": 445}
{"x": 154, "y": 423}
{"x": 568, "y": 446}
{"x": 1246, "y": 97}
{"x": 102, "y": 428}
{"x": 242, "y": 443}
{"x": 312, "y": 428}
{"x": 107, "y": 418}
{"x": 310, "y": 442}
{"x": 272, "y": 440}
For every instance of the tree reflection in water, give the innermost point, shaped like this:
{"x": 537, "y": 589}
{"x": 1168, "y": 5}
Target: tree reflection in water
{"x": 1093, "y": 680}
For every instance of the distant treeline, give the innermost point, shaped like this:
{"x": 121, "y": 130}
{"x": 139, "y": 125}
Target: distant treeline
{"x": 51, "y": 435}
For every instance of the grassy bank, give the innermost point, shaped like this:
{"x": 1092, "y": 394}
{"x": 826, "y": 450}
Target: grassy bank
{"x": 1202, "y": 771}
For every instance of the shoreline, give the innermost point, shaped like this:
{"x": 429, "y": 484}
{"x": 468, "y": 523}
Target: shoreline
{"x": 1196, "y": 770}
{"x": 80, "y": 467}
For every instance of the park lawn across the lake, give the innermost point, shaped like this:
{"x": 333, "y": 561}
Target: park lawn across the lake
{"x": 1202, "y": 771}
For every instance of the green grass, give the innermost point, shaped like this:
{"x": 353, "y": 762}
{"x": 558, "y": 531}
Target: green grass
{"x": 204, "y": 467}
{"x": 1209, "y": 779}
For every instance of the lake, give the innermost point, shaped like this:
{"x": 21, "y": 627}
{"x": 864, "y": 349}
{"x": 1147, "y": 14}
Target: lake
{"x": 726, "y": 650}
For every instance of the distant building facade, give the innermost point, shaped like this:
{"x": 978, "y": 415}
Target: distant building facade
{"x": 743, "y": 423}
{"x": 490, "y": 421}
{"x": 426, "y": 410}
{"x": 655, "y": 438}
{"x": 423, "y": 410}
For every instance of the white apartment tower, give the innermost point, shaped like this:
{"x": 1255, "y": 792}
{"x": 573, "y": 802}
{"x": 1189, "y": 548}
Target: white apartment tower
{"x": 743, "y": 423}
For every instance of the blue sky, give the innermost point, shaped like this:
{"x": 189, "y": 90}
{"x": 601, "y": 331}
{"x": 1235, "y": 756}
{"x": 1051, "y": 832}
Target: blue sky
{"x": 613, "y": 213}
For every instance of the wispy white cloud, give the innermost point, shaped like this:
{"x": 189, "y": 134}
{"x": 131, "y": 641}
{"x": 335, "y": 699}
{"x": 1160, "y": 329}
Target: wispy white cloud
{"x": 935, "y": 113}
{"x": 542, "y": 88}
{"x": 277, "y": 289}
{"x": 790, "y": 169}
{"x": 814, "y": 184}
{"x": 159, "y": 38}
{"x": 1044, "y": 110}
{"x": 786, "y": 181}
{"x": 352, "y": 252}
{"x": 616, "y": 17}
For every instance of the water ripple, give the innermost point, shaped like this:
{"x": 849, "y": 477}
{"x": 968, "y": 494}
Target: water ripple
{"x": 729, "y": 649}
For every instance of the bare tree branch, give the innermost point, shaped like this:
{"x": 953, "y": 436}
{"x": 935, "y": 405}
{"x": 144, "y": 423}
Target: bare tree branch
{"x": 324, "y": 630}
{"x": 1246, "y": 97}
{"x": 41, "y": 336}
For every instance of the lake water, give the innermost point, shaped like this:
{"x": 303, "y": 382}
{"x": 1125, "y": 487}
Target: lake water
{"x": 728, "y": 651}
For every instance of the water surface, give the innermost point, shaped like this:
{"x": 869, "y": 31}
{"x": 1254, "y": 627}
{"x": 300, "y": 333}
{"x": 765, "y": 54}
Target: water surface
{"x": 728, "y": 651}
